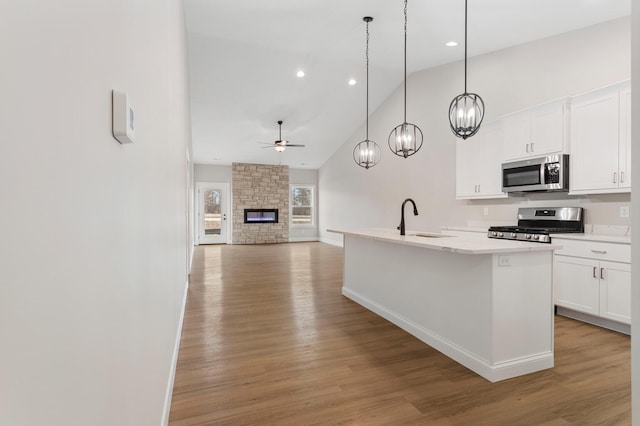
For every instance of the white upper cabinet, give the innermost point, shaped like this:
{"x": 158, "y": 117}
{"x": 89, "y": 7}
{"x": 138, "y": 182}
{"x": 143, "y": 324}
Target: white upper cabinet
{"x": 478, "y": 160}
{"x": 536, "y": 132}
{"x": 600, "y": 141}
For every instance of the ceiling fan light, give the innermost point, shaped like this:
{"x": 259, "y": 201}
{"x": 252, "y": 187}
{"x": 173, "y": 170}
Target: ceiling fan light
{"x": 366, "y": 154}
{"x": 466, "y": 113}
{"x": 280, "y": 148}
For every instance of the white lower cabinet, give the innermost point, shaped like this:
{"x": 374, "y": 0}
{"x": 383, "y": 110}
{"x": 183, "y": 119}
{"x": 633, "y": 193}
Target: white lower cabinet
{"x": 615, "y": 291}
{"x": 601, "y": 288}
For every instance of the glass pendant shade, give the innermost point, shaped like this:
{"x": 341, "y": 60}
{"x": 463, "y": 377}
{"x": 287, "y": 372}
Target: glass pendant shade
{"x": 405, "y": 139}
{"x": 366, "y": 154}
{"x": 465, "y": 114}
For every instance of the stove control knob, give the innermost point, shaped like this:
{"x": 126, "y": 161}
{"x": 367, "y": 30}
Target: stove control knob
{"x": 500, "y": 234}
{"x": 514, "y": 235}
{"x": 527, "y": 236}
{"x": 536, "y": 237}
{"x": 494, "y": 233}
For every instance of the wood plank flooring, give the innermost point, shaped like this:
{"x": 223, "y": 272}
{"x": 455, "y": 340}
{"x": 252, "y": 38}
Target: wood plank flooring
{"x": 269, "y": 340}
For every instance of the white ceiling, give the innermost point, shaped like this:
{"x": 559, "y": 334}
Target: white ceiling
{"x": 244, "y": 55}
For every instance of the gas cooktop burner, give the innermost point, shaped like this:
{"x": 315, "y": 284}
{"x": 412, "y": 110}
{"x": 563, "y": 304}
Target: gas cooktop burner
{"x": 535, "y": 225}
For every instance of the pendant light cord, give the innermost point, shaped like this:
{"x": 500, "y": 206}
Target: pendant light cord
{"x": 367, "y": 57}
{"x": 405, "y": 61}
{"x": 465, "y": 47}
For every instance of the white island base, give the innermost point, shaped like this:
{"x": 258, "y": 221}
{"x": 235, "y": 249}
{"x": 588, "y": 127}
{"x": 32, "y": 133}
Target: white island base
{"x": 487, "y": 307}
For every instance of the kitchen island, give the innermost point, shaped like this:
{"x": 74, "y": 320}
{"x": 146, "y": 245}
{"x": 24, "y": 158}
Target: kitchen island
{"x": 487, "y": 304}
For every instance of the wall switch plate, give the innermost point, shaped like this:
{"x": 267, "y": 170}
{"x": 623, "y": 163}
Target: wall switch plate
{"x": 485, "y": 211}
{"x": 624, "y": 211}
{"x": 123, "y": 118}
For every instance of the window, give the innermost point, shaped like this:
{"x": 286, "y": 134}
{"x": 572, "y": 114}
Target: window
{"x": 302, "y": 205}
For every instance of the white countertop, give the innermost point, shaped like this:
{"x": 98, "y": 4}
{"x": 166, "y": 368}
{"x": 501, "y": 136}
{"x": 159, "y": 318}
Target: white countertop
{"x": 482, "y": 230}
{"x": 451, "y": 244}
{"x": 588, "y": 236}
{"x": 604, "y": 238}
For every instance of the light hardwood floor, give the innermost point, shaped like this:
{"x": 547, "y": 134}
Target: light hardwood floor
{"x": 269, "y": 340}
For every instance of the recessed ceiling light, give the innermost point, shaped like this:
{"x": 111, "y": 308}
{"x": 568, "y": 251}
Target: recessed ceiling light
{"x": 352, "y": 82}
{"x": 300, "y": 73}
{"x": 452, "y": 44}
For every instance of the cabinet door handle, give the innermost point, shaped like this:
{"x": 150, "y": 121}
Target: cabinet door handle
{"x": 621, "y": 177}
{"x": 602, "y": 273}
{"x": 594, "y": 272}
{"x": 526, "y": 147}
{"x": 599, "y": 251}
{"x": 478, "y": 187}
{"x": 615, "y": 175}
{"x": 531, "y": 146}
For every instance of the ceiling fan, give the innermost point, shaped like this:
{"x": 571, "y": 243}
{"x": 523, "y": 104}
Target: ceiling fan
{"x": 280, "y": 145}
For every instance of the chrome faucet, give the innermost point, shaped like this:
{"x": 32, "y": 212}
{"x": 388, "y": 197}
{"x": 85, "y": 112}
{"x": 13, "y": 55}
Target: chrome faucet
{"x": 415, "y": 213}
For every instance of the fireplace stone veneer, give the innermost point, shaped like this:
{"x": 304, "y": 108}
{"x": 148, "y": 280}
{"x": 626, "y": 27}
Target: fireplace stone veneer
{"x": 259, "y": 187}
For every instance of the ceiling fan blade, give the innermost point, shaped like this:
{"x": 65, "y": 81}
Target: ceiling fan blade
{"x": 294, "y": 145}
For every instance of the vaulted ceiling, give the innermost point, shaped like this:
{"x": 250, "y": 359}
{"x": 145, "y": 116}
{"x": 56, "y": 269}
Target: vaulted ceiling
{"x": 244, "y": 56}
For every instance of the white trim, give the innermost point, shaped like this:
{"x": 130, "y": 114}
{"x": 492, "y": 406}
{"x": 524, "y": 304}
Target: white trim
{"x": 302, "y": 239}
{"x": 332, "y": 242}
{"x": 492, "y": 372}
{"x": 594, "y": 320}
{"x": 228, "y": 211}
{"x": 314, "y": 213}
{"x": 174, "y": 361}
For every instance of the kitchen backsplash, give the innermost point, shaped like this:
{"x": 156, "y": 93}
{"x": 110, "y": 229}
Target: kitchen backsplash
{"x": 602, "y": 212}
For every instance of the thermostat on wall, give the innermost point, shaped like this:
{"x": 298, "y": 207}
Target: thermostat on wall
{"x": 123, "y": 118}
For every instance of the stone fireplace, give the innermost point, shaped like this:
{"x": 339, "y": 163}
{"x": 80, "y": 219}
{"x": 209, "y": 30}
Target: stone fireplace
{"x": 260, "y": 191}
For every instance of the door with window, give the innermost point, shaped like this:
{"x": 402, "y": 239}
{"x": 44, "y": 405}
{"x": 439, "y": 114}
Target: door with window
{"x": 213, "y": 207}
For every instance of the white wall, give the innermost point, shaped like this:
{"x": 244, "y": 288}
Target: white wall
{"x": 207, "y": 173}
{"x": 635, "y": 208}
{"x": 508, "y": 80}
{"x": 93, "y": 258}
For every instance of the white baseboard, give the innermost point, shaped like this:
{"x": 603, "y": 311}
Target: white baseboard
{"x": 174, "y": 361}
{"x": 591, "y": 319}
{"x": 302, "y": 239}
{"x": 332, "y": 242}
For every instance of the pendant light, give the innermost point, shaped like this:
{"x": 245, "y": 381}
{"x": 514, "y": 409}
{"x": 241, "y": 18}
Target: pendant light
{"x": 367, "y": 153}
{"x": 406, "y": 138}
{"x": 466, "y": 110}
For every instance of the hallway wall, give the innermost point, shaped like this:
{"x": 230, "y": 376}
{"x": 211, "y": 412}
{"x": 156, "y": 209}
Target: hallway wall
{"x": 93, "y": 258}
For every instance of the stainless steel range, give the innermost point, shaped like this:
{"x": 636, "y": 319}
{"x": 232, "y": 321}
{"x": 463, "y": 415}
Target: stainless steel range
{"x": 536, "y": 224}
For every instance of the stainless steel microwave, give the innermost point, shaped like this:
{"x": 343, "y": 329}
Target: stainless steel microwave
{"x": 549, "y": 173}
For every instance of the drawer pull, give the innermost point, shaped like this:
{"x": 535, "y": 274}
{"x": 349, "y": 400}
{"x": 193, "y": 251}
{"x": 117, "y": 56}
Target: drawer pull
{"x": 594, "y": 272}
{"x": 599, "y": 251}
